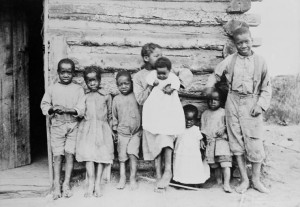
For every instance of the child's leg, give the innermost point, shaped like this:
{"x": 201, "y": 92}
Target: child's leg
{"x": 243, "y": 171}
{"x": 256, "y": 167}
{"x": 122, "y": 180}
{"x": 167, "y": 175}
{"x": 90, "y": 169}
{"x": 68, "y": 172}
{"x": 226, "y": 176}
{"x": 157, "y": 163}
{"x": 218, "y": 175}
{"x": 57, "y": 168}
{"x": 133, "y": 170}
{"x": 100, "y": 169}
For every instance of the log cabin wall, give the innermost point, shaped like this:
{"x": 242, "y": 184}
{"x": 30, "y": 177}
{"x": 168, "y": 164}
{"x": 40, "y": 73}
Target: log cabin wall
{"x": 110, "y": 34}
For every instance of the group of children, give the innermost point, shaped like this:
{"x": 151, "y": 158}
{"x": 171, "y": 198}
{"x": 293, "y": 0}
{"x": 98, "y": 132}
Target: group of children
{"x": 148, "y": 110}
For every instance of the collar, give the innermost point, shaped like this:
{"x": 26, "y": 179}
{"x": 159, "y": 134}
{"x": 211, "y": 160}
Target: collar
{"x": 100, "y": 91}
{"x": 246, "y": 57}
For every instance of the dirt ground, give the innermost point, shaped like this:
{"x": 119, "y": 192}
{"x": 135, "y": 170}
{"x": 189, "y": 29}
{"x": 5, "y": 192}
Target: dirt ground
{"x": 281, "y": 173}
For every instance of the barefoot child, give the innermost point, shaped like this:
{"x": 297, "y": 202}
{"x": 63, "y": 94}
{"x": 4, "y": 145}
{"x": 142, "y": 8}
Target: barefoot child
{"x": 94, "y": 139}
{"x": 127, "y": 127}
{"x": 59, "y": 102}
{"x": 150, "y": 53}
{"x": 188, "y": 167}
{"x": 163, "y": 117}
{"x": 249, "y": 95}
{"x": 217, "y": 149}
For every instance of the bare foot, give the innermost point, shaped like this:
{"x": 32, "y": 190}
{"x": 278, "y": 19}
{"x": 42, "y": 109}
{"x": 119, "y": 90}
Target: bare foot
{"x": 121, "y": 184}
{"x": 227, "y": 188}
{"x": 89, "y": 190}
{"x": 243, "y": 187}
{"x": 98, "y": 192}
{"x": 67, "y": 193}
{"x": 165, "y": 180}
{"x": 257, "y": 185}
{"x": 56, "y": 192}
{"x": 133, "y": 184}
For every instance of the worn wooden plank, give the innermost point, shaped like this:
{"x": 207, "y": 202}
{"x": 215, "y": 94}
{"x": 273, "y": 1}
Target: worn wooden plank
{"x": 168, "y": 13}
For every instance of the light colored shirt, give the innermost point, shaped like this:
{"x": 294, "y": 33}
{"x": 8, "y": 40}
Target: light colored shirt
{"x": 250, "y": 76}
{"x": 126, "y": 114}
{"x": 62, "y": 95}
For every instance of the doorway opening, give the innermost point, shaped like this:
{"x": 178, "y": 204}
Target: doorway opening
{"x": 38, "y": 135}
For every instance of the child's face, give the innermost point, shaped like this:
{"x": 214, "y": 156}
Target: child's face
{"x": 157, "y": 53}
{"x": 214, "y": 101}
{"x": 190, "y": 119}
{"x": 124, "y": 85}
{"x": 243, "y": 43}
{"x": 65, "y": 73}
{"x": 162, "y": 73}
{"x": 92, "y": 81}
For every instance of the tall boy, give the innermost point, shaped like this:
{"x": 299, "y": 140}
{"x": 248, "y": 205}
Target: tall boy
{"x": 249, "y": 95}
{"x": 59, "y": 102}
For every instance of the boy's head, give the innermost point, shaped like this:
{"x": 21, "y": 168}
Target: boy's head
{"x": 191, "y": 114}
{"x": 243, "y": 41}
{"x": 92, "y": 77}
{"x": 65, "y": 70}
{"x": 214, "y": 100}
{"x": 124, "y": 82}
{"x": 163, "y": 67}
{"x": 150, "y": 53}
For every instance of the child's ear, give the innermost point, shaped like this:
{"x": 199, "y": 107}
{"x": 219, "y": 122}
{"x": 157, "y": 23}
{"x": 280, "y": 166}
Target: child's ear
{"x": 146, "y": 58}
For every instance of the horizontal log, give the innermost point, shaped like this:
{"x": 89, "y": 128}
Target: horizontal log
{"x": 90, "y": 26}
{"x": 113, "y": 59}
{"x": 167, "y": 13}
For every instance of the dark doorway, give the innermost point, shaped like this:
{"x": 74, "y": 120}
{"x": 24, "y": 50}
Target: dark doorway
{"x": 38, "y": 138}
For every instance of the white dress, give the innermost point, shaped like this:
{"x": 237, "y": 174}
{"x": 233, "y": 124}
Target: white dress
{"x": 188, "y": 166}
{"x": 163, "y": 113}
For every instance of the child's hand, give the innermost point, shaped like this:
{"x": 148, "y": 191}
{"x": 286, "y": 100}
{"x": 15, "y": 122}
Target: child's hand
{"x": 202, "y": 144}
{"x": 155, "y": 83}
{"x": 220, "y": 132}
{"x": 167, "y": 89}
{"x": 59, "y": 109}
{"x": 256, "y": 110}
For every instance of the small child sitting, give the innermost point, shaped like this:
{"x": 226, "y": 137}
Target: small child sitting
{"x": 59, "y": 102}
{"x": 217, "y": 149}
{"x": 188, "y": 167}
{"x": 127, "y": 128}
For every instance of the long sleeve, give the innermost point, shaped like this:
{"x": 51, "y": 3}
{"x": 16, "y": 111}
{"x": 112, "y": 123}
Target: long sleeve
{"x": 46, "y": 102}
{"x": 266, "y": 89}
{"x": 175, "y": 84}
{"x": 115, "y": 115}
{"x": 141, "y": 93}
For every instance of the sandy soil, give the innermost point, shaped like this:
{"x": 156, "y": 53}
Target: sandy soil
{"x": 281, "y": 174}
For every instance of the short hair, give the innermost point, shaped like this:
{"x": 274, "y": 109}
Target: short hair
{"x": 66, "y": 61}
{"x": 163, "y": 62}
{"x": 148, "y": 48}
{"x": 123, "y": 73}
{"x": 241, "y": 31}
{"x": 92, "y": 69}
{"x": 191, "y": 108}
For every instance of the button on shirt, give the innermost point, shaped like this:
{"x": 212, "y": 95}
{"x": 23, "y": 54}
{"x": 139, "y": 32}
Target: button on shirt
{"x": 243, "y": 75}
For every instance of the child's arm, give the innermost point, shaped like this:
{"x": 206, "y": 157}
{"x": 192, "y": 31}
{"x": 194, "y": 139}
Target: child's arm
{"x": 174, "y": 85}
{"x": 46, "y": 103}
{"x": 115, "y": 121}
{"x": 109, "y": 109}
{"x": 140, "y": 93}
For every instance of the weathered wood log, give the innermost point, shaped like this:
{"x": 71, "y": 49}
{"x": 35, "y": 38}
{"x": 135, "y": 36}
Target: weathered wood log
{"x": 239, "y": 6}
{"x": 139, "y": 12}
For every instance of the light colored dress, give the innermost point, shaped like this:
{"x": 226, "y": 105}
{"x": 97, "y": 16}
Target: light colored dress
{"x": 163, "y": 113}
{"x": 94, "y": 138}
{"x": 188, "y": 166}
